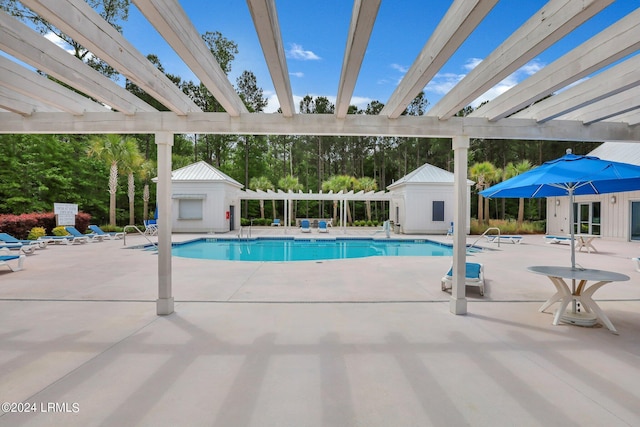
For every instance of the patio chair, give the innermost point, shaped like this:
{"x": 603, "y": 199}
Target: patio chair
{"x": 304, "y": 226}
{"x": 450, "y": 230}
{"x": 494, "y": 238}
{"x": 322, "y": 227}
{"x": 150, "y": 227}
{"x": 6, "y": 256}
{"x": 8, "y": 238}
{"x": 636, "y": 261}
{"x": 112, "y": 235}
{"x": 557, "y": 239}
{"x": 474, "y": 276}
{"x": 25, "y": 249}
{"x": 77, "y": 234}
{"x": 276, "y": 222}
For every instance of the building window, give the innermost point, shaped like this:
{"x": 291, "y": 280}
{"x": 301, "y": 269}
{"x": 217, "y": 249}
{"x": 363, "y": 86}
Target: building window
{"x": 586, "y": 218}
{"x": 438, "y": 210}
{"x": 190, "y": 209}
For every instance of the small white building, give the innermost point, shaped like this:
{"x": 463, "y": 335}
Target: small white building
{"x": 422, "y": 201}
{"x": 614, "y": 216}
{"x": 204, "y": 200}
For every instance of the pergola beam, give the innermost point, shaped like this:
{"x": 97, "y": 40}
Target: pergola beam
{"x": 608, "y": 46}
{"x": 18, "y": 103}
{"x": 363, "y": 17}
{"x": 609, "y": 107}
{"x": 316, "y": 124}
{"x": 30, "y": 47}
{"x": 80, "y": 22}
{"x": 40, "y": 88}
{"x": 265, "y": 20}
{"x": 617, "y": 79}
{"x": 460, "y": 20}
{"x": 168, "y": 17}
{"x": 555, "y": 20}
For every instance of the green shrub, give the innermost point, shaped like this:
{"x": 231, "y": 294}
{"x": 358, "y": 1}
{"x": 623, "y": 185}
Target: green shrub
{"x": 36, "y": 232}
{"x": 60, "y": 231}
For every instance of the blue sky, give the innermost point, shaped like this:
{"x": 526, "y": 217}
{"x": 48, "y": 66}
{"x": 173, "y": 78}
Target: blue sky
{"x": 314, "y": 35}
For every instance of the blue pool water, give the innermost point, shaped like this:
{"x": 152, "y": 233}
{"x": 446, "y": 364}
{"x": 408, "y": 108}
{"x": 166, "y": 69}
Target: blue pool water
{"x": 306, "y": 249}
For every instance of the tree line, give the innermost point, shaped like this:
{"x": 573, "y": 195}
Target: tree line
{"x": 38, "y": 170}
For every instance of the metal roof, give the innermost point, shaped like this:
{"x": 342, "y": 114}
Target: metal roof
{"x": 618, "y": 152}
{"x": 202, "y": 171}
{"x": 426, "y": 174}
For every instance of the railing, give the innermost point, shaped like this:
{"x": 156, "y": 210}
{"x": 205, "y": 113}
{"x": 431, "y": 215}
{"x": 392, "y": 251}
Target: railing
{"x": 485, "y": 233}
{"x": 242, "y": 229}
{"x": 124, "y": 239}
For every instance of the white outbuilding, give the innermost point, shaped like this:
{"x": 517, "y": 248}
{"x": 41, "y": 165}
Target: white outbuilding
{"x": 422, "y": 202}
{"x": 204, "y": 200}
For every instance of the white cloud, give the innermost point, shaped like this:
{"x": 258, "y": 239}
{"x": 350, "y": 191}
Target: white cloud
{"x": 59, "y": 42}
{"x": 298, "y": 52}
{"x": 400, "y": 68}
{"x": 442, "y": 83}
{"x": 298, "y": 74}
{"x": 472, "y": 63}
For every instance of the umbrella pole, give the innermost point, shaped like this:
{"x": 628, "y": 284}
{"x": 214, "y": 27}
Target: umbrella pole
{"x": 573, "y": 246}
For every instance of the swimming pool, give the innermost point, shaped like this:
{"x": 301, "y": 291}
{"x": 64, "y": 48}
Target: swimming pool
{"x": 263, "y": 249}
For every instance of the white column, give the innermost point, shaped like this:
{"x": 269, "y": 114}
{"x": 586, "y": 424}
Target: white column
{"x": 164, "y": 303}
{"x": 458, "y": 302}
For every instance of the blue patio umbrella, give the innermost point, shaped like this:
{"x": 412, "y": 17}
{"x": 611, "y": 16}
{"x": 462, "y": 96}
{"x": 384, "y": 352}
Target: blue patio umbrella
{"x": 570, "y": 175}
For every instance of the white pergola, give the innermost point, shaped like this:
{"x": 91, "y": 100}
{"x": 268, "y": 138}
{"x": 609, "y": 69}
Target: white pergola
{"x": 604, "y": 107}
{"x": 343, "y": 197}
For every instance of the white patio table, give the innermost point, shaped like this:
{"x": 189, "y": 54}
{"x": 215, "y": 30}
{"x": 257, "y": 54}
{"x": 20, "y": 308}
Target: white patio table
{"x": 583, "y": 293}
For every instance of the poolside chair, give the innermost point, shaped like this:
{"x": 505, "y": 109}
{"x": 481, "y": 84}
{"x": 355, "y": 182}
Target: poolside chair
{"x": 558, "y": 239}
{"x": 322, "y": 227}
{"x": 450, "y": 230}
{"x": 304, "y": 226}
{"x": 494, "y": 238}
{"x": 112, "y": 235}
{"x": 25, "y": 249}
{"x": 474, "y": 276}
{"x": 276, "y": 222}
{"x": 636, "y": 261}
{"x": 150, "y": 227}
{"x": 8, "y": 238}
{"x": 6, "y": 257}
{"x": 92, "y": 237}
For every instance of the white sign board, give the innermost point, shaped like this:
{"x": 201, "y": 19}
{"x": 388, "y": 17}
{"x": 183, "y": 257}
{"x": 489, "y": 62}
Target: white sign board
{"x": 65, "y": 213}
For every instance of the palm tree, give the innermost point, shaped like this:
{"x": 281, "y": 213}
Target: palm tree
{"x": 483, "y": 174}
{"x": 146, "y": 172}
{"x": 131, "y": 165}
{"x": 367, "y": 184}
{"x": 514, "y": 170}
{"x": 112, "y": 149}
{"x": 262, "y": 183}
{"x": 338, "y": 183}
{"x": 287, "y": 183}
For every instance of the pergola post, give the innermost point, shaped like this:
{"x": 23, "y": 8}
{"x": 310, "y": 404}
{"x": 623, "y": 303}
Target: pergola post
{"x": 164, "y": 303}
{"x": 458, "y": 302}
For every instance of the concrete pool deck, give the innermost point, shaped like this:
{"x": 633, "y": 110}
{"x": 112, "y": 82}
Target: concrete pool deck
{"x": 366, "y": 342}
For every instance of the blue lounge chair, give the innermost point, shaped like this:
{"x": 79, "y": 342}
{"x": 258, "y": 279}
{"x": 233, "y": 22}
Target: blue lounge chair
{"x": 494, "y": 238}
{"x": 558, "y": 239}
{"x": 78, "y": 235}
{"x": 8, "y": 238}
{"x": 25, "y": 249}
{"x": 322, "y": 226}
{"x": 276, "y": 222}
{"x": 151, "y": 227}
{"x": 474, "y": 276}
{"x": 304, "y": 226}
{"x": 6, "y": 256}
{"x": 450, "y": 230}
{"x": 113, "y": 235}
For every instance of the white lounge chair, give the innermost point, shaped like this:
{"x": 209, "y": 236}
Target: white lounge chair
{"x": 636, "y": 261}
{"x": 558, "y": 239}
{"x": 322, "y": 227}
{"x": 494, "y": 238}
{"x": 113, "y": 235}
{"x": 25, "y": 249}
{"x": 77, "y": 234}
{"x": 474, "y": 276}
{"x": 304, "y": 226}
{"x": 150, "y": 227}
{"x": 276, "y": 222}
{"x": 8, "y": 238}
{"x": 450, "y": 230}
{"x": 6, "y": 257}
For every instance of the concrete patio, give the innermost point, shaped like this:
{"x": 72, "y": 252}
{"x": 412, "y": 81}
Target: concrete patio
{"x": 364, "y": 342}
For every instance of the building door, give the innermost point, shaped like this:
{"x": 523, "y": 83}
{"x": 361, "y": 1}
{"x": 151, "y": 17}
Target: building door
{"x": 586, "y": 218}
{"x": 232, "y": 216}
{"x": 635, "y": 221}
